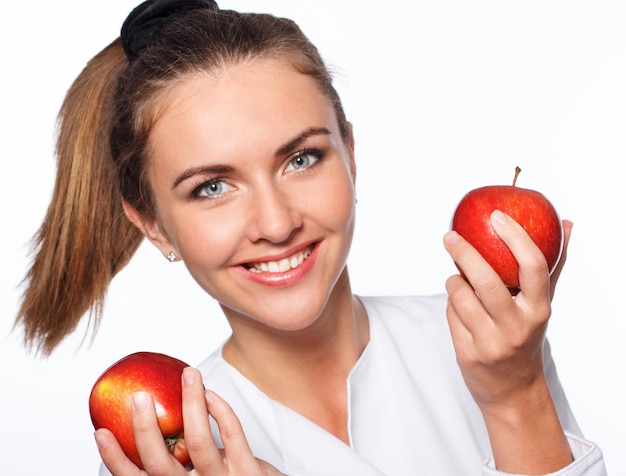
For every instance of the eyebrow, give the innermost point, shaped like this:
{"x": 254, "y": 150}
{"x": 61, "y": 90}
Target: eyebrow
{"x": 295, "y": 142}
{"x": 204, "y": 170}
{"x": 219, "y": 169}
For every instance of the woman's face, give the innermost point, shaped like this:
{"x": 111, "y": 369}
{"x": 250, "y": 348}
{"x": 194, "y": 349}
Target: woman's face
{"x": 254, "y": 190}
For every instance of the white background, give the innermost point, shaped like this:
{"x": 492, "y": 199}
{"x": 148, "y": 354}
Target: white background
{"x": 445, "y": 96}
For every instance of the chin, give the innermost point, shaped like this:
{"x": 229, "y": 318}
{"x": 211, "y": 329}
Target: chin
{"x": 295, "y": 316}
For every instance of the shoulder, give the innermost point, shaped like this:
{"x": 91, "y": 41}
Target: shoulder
{"x": 212, "y": 361}
{"x": 224, "y": 379}
{"x": 217, "y": 374}
{"x": 416, "y": 326}
{"x": 415, "y": 307}
{"x": 400, "y": 313}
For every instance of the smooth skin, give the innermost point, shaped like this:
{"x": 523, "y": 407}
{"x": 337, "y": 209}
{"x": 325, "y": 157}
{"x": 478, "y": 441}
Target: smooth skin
{"x": 499, "y": 343}
{"x": 248, "y": 167}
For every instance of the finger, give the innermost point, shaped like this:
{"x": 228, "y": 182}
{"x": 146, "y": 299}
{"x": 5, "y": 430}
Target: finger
{"x": 238, "y": 455}
{"x": 113, "y": 456}
{"x": 459, "y": 331}
{"x": 494, "y": 296}
{"x": 151, "y": 447}
{"x": 198, "y": 438}
{"x": 464, "y": 308}
{"x": 533, "y": 268}
{"x": 554, "y": 277}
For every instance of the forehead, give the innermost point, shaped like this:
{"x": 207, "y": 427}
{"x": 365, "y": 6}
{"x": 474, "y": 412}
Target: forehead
{"x": 259, "y": 100}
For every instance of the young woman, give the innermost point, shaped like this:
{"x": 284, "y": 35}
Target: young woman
{"x": 219, "y": 137}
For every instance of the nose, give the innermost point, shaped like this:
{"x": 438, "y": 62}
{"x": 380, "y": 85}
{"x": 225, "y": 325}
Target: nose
{"x": 274, "y": 216}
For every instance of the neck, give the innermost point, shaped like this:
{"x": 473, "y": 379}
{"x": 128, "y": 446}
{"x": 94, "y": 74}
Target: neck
{"x": 333, "y": 342}
{"x": 307, "y": 369}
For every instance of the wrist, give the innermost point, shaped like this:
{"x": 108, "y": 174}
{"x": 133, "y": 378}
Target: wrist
{"x": 525, "y": 433}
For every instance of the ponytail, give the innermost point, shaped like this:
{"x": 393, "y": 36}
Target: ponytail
{"x": 103, "y": 152}
{"x": 85, "y": 238}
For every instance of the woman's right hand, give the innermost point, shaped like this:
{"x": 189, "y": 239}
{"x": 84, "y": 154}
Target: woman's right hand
{"x": 206, "y": 457}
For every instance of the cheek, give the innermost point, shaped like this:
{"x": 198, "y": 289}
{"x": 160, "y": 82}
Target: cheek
{"x": 335, "y": 202}
{"x": 205, "y": 240}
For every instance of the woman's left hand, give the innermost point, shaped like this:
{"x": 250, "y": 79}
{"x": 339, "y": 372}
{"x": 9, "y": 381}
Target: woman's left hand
{"x": 498, "y": 338}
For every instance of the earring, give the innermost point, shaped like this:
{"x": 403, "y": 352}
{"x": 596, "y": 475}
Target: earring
{"x": 171, "y": 257}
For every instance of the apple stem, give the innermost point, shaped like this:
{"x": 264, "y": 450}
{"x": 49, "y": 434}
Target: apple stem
{"x": 517, "y": 171}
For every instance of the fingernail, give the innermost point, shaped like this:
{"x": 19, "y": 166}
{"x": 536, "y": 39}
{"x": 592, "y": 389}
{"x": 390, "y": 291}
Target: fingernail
{"x": 140, "y": 402}
{"x": 208, "y": 396}
{"x": 189, "y": 376}
{"x": 499, "y": 218}
{"x": 450, "y": 238}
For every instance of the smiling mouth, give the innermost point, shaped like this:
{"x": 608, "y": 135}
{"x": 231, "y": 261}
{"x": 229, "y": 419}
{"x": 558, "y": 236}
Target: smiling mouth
{"x": 280, "y": 266}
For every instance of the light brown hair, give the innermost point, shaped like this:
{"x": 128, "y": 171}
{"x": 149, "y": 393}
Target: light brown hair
{"x": 102, "y": 154}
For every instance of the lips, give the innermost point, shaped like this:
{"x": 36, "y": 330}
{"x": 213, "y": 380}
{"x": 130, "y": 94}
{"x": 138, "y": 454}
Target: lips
{"x": 282, "y": 265}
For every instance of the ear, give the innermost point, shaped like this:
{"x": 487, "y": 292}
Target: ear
{"x": 150, "y": 228}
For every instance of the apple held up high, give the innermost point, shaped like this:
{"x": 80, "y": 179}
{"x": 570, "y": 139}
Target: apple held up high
{"x": 111, "y": 397}
{"x": 529, "y": 208}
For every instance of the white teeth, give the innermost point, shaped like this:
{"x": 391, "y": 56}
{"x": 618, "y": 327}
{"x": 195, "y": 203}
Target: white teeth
{"x": 294, "y": 262}
{"x": 281, "y": 266}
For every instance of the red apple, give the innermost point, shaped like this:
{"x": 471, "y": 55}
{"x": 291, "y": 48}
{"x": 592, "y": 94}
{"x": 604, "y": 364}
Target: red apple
{"x": 157, "y": 374}
{"x": 529, "y": 208}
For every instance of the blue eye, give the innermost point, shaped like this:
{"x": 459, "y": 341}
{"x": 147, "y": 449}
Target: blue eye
{"x": 304, "y": 159}
{"x": 212, "y": 189}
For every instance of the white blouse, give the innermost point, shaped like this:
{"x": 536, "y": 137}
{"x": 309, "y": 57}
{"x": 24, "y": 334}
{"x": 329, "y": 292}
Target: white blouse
{"x": 410, "y": 412}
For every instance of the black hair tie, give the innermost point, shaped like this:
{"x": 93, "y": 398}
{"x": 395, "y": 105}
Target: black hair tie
{"x": 147, "y": 19}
